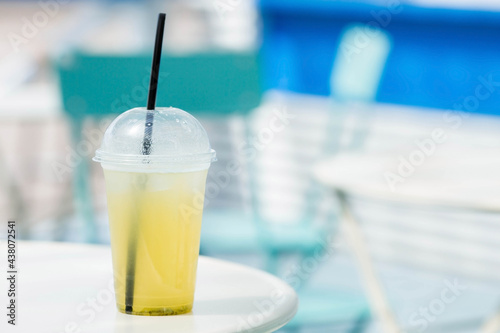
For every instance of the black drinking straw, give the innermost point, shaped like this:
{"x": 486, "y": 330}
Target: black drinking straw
{"x": 146, "y": 150}
{"x": 153, "y": 85}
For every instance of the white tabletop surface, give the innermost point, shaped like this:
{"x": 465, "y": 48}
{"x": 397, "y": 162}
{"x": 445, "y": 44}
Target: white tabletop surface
{"x": 465, "y": 178}
{"x": 68, "y": 288}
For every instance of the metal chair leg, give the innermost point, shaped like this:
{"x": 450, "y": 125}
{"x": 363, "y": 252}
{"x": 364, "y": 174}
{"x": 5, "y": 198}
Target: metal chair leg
{"x": 82, "y": 189}
{"x": 376, "y": 295}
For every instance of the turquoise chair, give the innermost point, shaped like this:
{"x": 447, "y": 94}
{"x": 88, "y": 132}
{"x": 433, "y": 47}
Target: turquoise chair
{"x": 356, "y": 73}
{"x": 354, "y": 82}
{"x": 98, "y": 86}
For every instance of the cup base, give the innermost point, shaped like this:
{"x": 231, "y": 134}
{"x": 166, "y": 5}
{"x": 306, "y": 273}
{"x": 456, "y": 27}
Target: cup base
{"x": 157, "y": 311}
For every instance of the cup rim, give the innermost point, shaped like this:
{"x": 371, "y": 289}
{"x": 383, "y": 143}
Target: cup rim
{"x": 102, "y": 156}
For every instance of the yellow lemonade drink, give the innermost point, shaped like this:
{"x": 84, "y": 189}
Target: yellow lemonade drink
{"x": 155, "y": 164}
{"x": 155, "y": 222}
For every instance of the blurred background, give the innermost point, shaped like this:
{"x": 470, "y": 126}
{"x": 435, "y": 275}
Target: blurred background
{"x": 358, "y": 142}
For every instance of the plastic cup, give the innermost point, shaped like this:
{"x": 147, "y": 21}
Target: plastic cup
{"x": 155, "y": 205}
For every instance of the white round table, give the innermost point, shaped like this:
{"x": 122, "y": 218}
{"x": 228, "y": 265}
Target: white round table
{"x": 467, "y": 179}
{"x": 67, "y": 287}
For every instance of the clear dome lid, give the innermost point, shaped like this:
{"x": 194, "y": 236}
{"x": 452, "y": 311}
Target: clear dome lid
{"x": 179, "y": 143}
